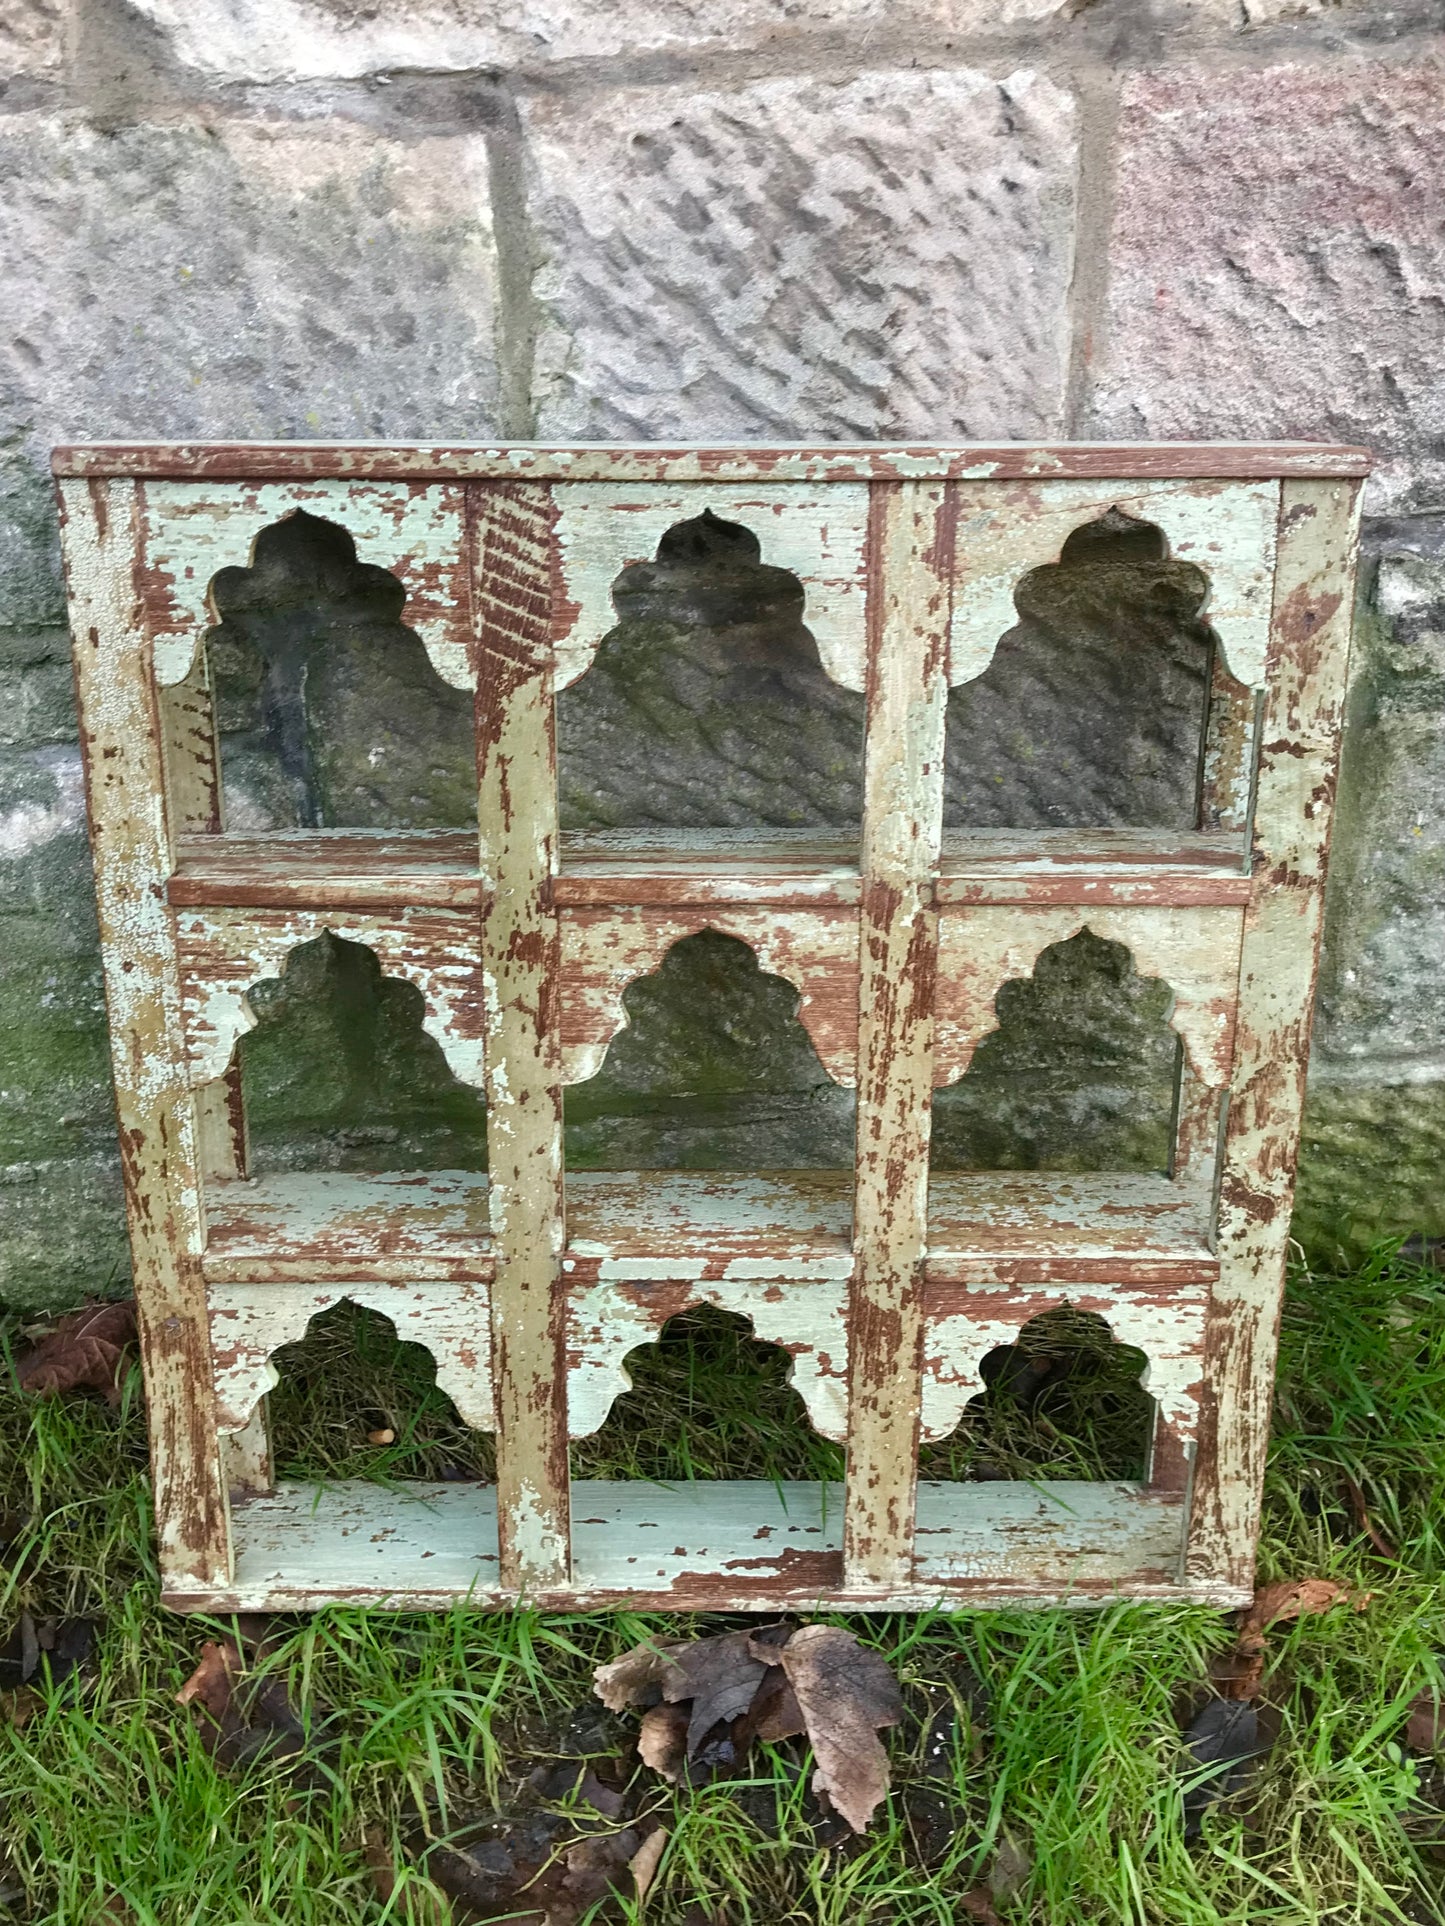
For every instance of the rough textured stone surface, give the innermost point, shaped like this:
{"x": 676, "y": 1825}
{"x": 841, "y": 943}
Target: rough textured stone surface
{"x": 1304, "y": 295}
{"x": 243, "y": 281}
{"x": 887, "y": 256}
{"x": 324, "y": 39}
{"x": 32, "y": 37}
{"x": 1382, "y": 1001}
{"x": 1370, "y": 1162}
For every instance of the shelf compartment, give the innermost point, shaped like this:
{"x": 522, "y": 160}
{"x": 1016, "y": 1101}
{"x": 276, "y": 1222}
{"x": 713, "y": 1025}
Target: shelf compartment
{"x": 328, "y": 869}
{"x": 321, "y": 1225}
{"x": 707, "y": 1546}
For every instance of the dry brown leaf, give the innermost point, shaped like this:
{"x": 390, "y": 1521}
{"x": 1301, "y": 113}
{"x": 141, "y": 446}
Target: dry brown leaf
{"x": 636, "y": 1678}
{"x": 662, "y": 1741}
{"x": 645, "y": 1861}
{"x": 1286, "y": 1598}
{"x": 979, "y": 1905}
{"x": 845, "y": 1692}
{"x": 85, "y": 1349}
{"x": 720, "y": 1676}
{"x": 1425, "y": 1727}
{"x": 213, "y": 1681}
{"x": 1364, "y": 1523}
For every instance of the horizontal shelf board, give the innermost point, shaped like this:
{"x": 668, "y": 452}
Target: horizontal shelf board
{"x": 1004, "y": 1226}
{"x": 719, "y": 1546}
{"x": 339, "y": 868}
{"x": 653, "y": 461}
{"x": 1052, "y": 1535}
{"x": 330, "y": 1226}
{"x": 437, "y": 869}
{"x": 709, "y": 1224}
{"x": 1091, "y": 866}
{"x": 1029, "y": 1226}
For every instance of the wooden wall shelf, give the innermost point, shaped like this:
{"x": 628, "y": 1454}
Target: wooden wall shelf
{"x": 888, "y": 1283}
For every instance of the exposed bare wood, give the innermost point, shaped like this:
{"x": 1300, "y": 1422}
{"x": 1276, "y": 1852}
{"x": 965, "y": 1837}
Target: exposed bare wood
{"x": 820, "y": 533}
{"x": 246, "y": 1456}
{"x": 514, "y": 566}
{"x": 248, "y": 461}
{"x": 122, "y": 743}
{"x": 911, "y": 567}
{"x": 1032, "y": 1226}
{"x": 1306, "y": 677}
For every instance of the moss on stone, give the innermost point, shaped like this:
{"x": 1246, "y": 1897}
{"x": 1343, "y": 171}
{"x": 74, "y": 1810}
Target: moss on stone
{"x": 1372, "y": 1165}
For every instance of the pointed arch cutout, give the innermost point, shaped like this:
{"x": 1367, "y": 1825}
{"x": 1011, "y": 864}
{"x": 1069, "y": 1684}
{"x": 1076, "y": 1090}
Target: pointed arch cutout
{"x": 250, "y": 1322}
{"x": 414, "y": 530}
{"x": 224, "y": 954}
{"x": 818, "y": 534}
{"x": 609, "y": 1321}
{"x": 1226, "y": 529}
{"x": 604, "y": 952}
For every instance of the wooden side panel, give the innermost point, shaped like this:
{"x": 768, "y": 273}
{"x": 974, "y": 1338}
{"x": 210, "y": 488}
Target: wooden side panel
{"x": 820, "y": 533}
{"x": 603, "y": 951}
{"x": 511, "y": 528}
{"x": 250, "y": 1321}
{"x": 195, "y": 529}
{"x": 1008, "y": 528}
{"x": 121, "y": 738}
{"x": 1308, "y": 664}
{"x": 910, "y": 567}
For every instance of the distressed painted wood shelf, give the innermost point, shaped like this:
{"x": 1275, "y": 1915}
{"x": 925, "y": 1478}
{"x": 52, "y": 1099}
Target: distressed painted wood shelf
{"x": 887, "y": 1284}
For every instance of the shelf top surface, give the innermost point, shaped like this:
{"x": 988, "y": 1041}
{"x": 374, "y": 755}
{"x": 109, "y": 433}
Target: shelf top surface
{"x": 662, "y": 461}
{"x": 674, "y": 1218}
{"x": 438, "y": 868}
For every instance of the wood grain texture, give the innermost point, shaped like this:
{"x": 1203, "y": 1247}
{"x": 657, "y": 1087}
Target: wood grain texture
{"x": 123, "y": 746}
{"x": 910, "y": 570}
{"x": 1306, "y": 677}
{"x": 511, "y": 535}
{"x": 250, "y": 461}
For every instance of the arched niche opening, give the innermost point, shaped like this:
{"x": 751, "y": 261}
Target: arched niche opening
{"x": 339, "y": 1073}
{"x": 329, "y": 711}
{"x": 712, "y": 1071}
{"x": 1093, "y": 710}
{"x": 707, "y": 705}
{"x": 707, "y": 1400}
{"x": 1066, "y": 1400}
{"x": 1081, "y": 1073}
{"x": 350, "y": 1380}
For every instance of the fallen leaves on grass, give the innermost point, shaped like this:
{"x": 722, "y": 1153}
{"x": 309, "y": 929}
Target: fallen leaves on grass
{"x": 1223, "y": 1740}
{"x": 51, "y": 1650}
{"x": 818, "y": 1681}
{"x": 1364, "y": 1523}
{"x": 1241, "y": 1674}
{"x": 85, "y": 1349}
{"x": 246, "y": 1715}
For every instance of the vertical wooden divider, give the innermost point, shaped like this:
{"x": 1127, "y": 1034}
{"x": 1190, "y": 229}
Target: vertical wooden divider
{"x": 511, "y": 535}
{"x": 910, "y": 537}
{"x": 1306, "y": 679}
{"x": 122, "y": 742}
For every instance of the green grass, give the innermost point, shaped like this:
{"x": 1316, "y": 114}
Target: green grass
{"x": 1059, "y": 1729}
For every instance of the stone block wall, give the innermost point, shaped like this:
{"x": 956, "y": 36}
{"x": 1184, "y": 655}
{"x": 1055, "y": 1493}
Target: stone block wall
{"x": 759, "y": 219}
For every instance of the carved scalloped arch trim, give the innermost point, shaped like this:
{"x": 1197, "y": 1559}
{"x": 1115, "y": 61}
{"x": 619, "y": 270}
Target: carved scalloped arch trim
{"x": 251, "y": 1322}
{"x": 417, "y": 530}
{"x": 225, "y": 953}
{"x": 1007, "y": 528}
